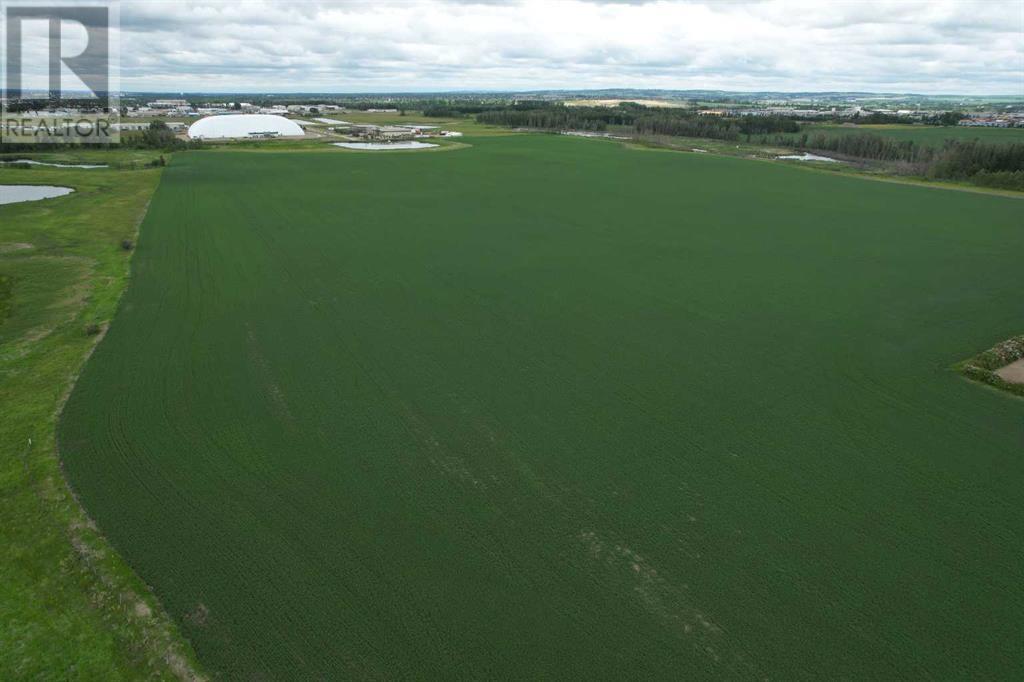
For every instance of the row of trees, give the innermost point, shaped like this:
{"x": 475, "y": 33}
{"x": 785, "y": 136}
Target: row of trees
{"x": 714, "y": 127}
{"x": 984, "y": 164}
{"x": 457, "y": 109}
{"x": 674, "y": 122}
{"x": 992, "y": 165}
{"x": 545, "y": 116}
{"x": 945, "y": 118}
{"x": 17, "y": 106}
{"x": 157, "y": 136}
{"x": 867, "y": 146}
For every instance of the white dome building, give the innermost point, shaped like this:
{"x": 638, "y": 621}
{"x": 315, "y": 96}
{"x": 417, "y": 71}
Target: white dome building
{"x": 236, "y": 126}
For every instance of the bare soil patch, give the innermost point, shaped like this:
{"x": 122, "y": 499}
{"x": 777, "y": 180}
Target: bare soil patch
{"x": 1013, "y": 372}
{"x": 11, "y": 247}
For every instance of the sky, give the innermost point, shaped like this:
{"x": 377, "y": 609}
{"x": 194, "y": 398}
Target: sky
{"x": 936, "y": 47}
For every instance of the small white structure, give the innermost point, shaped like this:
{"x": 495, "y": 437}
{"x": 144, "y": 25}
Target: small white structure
{"x": 243, "y": 126}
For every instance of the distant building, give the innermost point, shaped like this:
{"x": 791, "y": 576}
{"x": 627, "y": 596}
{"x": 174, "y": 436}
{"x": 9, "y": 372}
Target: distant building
{"x": 394, "y": 133}
{"x": 168, "y": 103}
{"x": 240, "y": 126}
{"x": 372, "y": 132}
{"x": 986, "y": 122}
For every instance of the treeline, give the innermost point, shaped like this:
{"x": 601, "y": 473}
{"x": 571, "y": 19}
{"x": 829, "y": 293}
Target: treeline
{"x": 714, "y": 127}
{"x": 85, "y": 105}
{"x": 1000, "y": 166}
{"x": 868, "y": 146}
{"x": 458, "y": 109}
{"x": 991, "y": 165}
{"x": 945, "y": 118}
{"x": 158, "y": 136}
{"x": 642, "y": 120}
{"x": 363, "y": 105}
{"x": 442, "y": 107}
{"x": 544, "y": 116}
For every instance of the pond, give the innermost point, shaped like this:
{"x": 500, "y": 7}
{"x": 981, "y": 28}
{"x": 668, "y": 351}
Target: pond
{"x": 29, "y": 162}
{"x": 13, "y": 194}
{"x": 384, "y": 145}
{"x": 807, "y": 157}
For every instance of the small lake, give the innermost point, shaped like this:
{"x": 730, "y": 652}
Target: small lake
{"x": 807, "y": 157}
{"x": 29, "y": 162}
{"x": 13, "y": 194}
{"x": 384, "y": 145}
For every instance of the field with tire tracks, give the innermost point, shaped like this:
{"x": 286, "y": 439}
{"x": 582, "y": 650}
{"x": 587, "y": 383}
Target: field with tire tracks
{"x": 546, "y": 407}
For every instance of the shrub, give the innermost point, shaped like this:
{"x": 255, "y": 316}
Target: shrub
{"x": 982, "y": 366}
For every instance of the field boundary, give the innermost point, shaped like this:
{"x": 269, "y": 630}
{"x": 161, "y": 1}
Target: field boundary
{"x": 649, "y": 146}
{"x": 125, "y": 605}
{"x": 130, "y": 596}
{"x": 982, "y": 367}
{"x": 126, "y": 593}
{"x": 322, "y": 146}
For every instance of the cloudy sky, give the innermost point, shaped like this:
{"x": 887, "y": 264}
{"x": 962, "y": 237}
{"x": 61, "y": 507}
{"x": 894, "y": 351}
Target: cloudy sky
{"x": 266, "y": 46}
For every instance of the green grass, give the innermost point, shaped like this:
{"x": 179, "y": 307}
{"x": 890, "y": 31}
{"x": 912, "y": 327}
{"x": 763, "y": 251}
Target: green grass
{"x": 323, "y": 145}
{"x": 755, "y": 150}
{"x": 466, "y": 124}
{"x": 933, "y": 136}
{"x": 555, "y": 408}
{"x": 72, "y": 609}
{"x": 117, "y": 159}
{"x": 6, "y": 284}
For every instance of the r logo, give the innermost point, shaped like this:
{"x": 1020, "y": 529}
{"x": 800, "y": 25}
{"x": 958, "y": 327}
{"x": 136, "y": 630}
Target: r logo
{"x": 92, "y": 66}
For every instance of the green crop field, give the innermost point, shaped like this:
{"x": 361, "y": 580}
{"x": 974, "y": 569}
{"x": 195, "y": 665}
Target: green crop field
{"x": 546, "y": 407}
{"x": 932, "y": 136}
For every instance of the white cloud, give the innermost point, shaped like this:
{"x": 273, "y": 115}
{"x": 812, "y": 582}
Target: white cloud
{"x": 927, "y": 47}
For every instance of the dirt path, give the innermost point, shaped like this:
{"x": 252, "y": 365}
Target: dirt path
{"x": 1013, "y": 372}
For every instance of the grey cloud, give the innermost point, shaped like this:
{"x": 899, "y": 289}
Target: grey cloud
{"x": 446, "y": 44}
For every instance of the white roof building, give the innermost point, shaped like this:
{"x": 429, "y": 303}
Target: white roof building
{"x": 240, "y": 126}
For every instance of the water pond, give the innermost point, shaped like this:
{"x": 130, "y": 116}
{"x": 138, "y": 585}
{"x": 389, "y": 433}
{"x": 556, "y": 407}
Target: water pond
{"x": 807, "y": 157}
{"x": 13, "y": 194}
{"x": 29, "y": 162}
{"x": 384, "y": 145}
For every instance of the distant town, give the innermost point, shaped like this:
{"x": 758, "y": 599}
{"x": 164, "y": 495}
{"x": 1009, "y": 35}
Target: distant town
{"x": 137, "y": 110}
